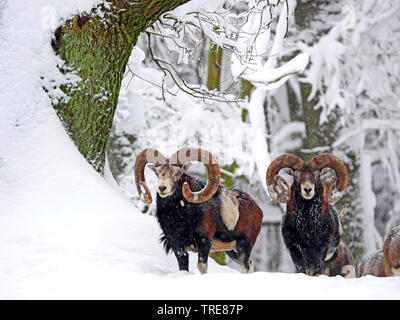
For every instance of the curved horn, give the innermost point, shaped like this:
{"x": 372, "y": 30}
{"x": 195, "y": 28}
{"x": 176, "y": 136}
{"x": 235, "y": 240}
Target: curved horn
{"x": 193, "y": 154}
{"x": 277, "y": 186}
{"x": 146, "y": 156}
{"x": 329, "y": 160}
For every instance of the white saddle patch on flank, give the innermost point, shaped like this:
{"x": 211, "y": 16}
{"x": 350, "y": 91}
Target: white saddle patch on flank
{"x": 229, "y": 208}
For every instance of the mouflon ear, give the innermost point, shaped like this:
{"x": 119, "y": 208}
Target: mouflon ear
{"x": 153, "y": 168}
{"x": 316, "y": 174}
{"x": 185, "y": 167}
{"x": 289, "y": 171}
{"x": 325, "y": 170}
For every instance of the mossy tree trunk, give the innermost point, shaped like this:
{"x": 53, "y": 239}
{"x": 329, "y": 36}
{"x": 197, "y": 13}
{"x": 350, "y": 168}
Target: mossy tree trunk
{"x": 311, "y": 119}
{"x": 324, "y": 135}
{"x": 352, "y": 223}
{"x": 97, "y": 46}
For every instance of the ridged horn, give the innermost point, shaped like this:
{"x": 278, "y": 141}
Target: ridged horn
{"x": 277, "y": 186}
{"x": 185, "y": 155}
{"x": 146, "y": 156}
{"x": 327, "y": 160}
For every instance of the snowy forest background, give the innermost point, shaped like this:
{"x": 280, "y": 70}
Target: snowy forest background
{"x": 85, "y": 85}
{"x": 344, "y": 102}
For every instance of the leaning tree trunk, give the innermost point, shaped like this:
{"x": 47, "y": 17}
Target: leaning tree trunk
{"x": 97, "y": 47}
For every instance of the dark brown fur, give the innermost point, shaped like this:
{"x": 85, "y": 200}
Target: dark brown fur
{"x": 250, "y": 218}
{"x": 207, "y": 227}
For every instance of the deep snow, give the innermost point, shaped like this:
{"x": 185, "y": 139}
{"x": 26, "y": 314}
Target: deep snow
{"x": 66, "y": 233}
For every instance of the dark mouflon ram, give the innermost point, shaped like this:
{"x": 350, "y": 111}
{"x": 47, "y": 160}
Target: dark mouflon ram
{"x": 311, "y": 226}
{"x": 198, "y": 216}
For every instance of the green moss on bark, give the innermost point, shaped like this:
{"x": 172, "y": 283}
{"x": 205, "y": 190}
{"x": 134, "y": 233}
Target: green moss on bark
{"x": 245, "y": 92}
{"x": 214, "y": 67}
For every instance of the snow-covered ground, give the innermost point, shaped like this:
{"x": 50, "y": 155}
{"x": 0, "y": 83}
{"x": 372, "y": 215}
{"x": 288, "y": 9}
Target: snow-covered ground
{"x": 67, "y": 233}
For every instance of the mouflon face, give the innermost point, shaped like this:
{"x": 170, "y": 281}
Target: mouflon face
{"x": 168, "y": 176}
{"x": 307, "y": 180}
